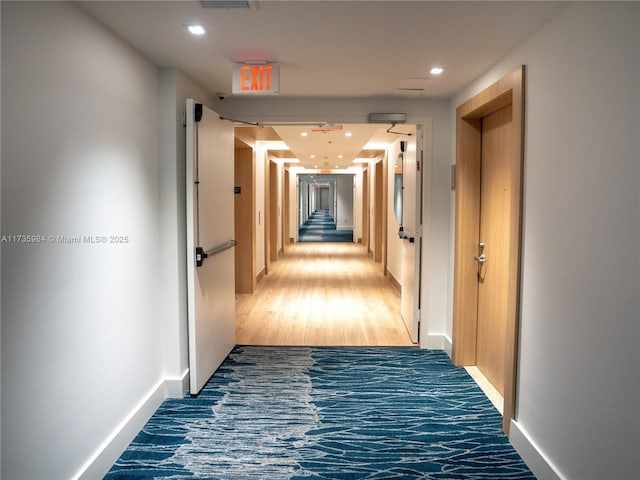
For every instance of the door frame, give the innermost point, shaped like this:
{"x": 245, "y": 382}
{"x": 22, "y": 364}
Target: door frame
{"x": 507, "y": 91}
{"x": 286, "y": 193}
{"x": 245, "y": 228}
{"x": 380, "y": 213}
{"x": 366, "y": 193}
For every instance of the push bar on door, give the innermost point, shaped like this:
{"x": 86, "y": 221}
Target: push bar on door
{"x": 201, "y": 254}
{"x": 404, "y": 236}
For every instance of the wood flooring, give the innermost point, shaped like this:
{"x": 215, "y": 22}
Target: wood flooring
{"x": 329, "y": 294}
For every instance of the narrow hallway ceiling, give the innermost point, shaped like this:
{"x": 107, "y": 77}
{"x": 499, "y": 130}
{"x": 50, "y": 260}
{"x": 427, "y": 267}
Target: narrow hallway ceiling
{"x": 326, "y": 146}
{"x": 330, "y": 48}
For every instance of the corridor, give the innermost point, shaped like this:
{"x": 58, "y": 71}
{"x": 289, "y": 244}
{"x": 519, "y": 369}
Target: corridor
{"x": 96, "y": 336}
{"x": 322, "y": 294}
{"x": 321, "y": 227}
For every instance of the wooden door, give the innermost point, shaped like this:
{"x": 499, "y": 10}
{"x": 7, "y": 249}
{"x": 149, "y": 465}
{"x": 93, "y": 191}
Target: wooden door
{"x": 286, "y": 194}
{"x": 493, "y": 268}
{"x": 489, "y": 158}
{"x": 273, "y": 211}
{"x": 365, "y": 208}
{"x": 245, "y": 208}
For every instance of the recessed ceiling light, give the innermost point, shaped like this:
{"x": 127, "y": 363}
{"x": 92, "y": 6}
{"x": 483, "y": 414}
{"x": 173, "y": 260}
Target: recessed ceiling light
{"x": 337, "y": 166}
{"x": 196, "y": 29}
{"x": 436, "y": 71}
{"x": 348, "y": 134}
{"x": 304, "y": 134}
{"x": 313, "y": 156}
{"x": 339, "y": 156}
{"x": 315, "y": 166}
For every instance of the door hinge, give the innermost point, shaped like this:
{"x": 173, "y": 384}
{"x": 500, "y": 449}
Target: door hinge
{"x": 184, "y": 119}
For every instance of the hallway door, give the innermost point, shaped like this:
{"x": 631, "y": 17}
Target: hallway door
{"x": 366, "y": 195}
{"x": 286, "y": 207}
{"x": 210, "y": 232}
{"x": 411, "y": 246}
{"x": 273, "y": 214}
{"x": 488, "y": 217}
{"x": 245, "y": 214}
{"x": 493, "y": 268}
{"x": 324, "y": 198}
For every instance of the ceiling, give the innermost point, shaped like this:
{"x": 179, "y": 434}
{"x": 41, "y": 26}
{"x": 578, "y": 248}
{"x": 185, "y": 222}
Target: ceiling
{"x": 324, "y": 146}
{"x": 325, "y": 48}
{"x": 333, "y": 146}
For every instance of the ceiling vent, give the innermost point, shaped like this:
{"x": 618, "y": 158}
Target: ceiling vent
{"x": 225, "y": 4}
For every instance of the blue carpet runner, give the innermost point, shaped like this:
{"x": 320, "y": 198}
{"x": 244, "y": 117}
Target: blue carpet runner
{"x": 327, "y": 413}
{"x": 321, "y": 227}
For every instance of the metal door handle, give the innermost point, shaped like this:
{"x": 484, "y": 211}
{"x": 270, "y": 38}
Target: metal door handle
{"x": 481, "y": 259}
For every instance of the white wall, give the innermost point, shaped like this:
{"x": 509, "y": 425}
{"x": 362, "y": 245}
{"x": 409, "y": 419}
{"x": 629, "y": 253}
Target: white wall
{"x": 172, "y": 273}
{"x": 175, "y": 88}
{"x": 579, "y": 377}
{"x": 333, "y": 199}
{"x": 0, "y": 262}
{"x": 304, "y": 202}
{"x": 260, "y": 206}
{"x": 394, "y": 242}
{"x": 345, "y": 200}
{"x": 81, "y": 340}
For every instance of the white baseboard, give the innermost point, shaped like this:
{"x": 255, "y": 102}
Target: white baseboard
{"x": 111, "y": 449}
{"x": 177, "y": 387}
{"x": 448, "y": 346}
{"x": 394, "y": 281}
{"x": 433, "y": 342}
{"x": 436, "y": 342}
{"x": 535, "y": 459}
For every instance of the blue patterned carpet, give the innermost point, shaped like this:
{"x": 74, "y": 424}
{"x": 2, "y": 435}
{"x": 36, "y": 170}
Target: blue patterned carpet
{"x": 321, "y": 227}
{"x": 327, "y": 413}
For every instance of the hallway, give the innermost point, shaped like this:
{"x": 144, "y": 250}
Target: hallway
{"x": 321, "y": 227}
{"x": 322, "y": 294}
{"x": 96, "y": 160}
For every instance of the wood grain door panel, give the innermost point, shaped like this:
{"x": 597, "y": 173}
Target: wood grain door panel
{"x": 493, "y": 275}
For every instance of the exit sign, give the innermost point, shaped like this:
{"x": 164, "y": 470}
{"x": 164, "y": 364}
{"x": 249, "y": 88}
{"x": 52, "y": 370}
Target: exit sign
{"x": 256, "y": 79}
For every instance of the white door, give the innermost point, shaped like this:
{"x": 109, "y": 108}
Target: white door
{"x": 210, "y": 226}
{"x": 411, "y": 245}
